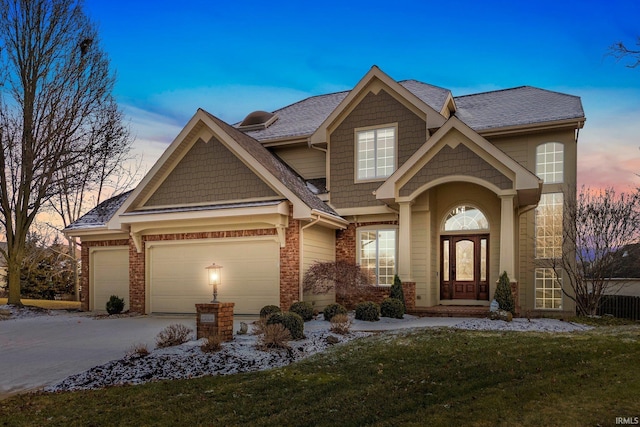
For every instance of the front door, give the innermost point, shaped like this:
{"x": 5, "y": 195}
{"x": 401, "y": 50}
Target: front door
{"x": 464, "y": 267}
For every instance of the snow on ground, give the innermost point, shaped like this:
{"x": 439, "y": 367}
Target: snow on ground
{"x": 189, "y": 361}
{"x": 8, "y": 312}
{"x": 241, "y": 354}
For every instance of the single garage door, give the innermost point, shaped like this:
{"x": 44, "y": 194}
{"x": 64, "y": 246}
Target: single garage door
{"x": 178, "y": 279}
{"x": 110, "y": 276}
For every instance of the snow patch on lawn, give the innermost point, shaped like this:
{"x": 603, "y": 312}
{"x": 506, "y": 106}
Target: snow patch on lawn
{"x": 522, "y": 325}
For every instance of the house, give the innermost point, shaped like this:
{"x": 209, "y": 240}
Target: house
{"x": 397, "y": 176}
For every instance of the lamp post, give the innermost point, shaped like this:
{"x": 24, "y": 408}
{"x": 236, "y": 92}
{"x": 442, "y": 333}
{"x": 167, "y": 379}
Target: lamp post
{"x": 214, "y": 278}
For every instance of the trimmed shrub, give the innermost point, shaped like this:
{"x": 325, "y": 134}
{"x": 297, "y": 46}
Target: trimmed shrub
{"x": 333, "y": 309}
{"x": 340, "y": 324}
{"x": 392, "y": 307}
{"x": 303, "y": 308}
{"x": 115, "y": 305}
{"x": 274, "y": 336}
{"x": 291, "y": 322}
{"x": 503, "y": 294}
{"x": 172, "y": 335}
{"x": 369, "y": 311}
{"x": 396, "y": 290}
{"x": 268, "y": 310}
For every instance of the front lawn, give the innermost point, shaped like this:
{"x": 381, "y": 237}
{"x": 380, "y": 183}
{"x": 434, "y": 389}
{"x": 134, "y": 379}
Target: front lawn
{"x": 416, "y": 377}
{"x": 48, "y": 304}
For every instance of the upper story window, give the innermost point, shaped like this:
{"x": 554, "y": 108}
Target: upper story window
{"x": 376, "y": 153}
{"x": 550, "y": 162}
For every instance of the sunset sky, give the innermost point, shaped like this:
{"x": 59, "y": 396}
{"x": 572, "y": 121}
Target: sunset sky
{"x": 231, "y": 58}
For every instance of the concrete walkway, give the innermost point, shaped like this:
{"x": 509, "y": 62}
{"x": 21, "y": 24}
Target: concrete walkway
{"x": 39, "y": 351}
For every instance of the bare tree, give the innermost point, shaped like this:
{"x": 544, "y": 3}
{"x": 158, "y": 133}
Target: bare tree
{"x": 103, "y": 174}
{"x": 598, "y": 224}
{"x": 56, "y": 93}
{"x": 620, "y": 51}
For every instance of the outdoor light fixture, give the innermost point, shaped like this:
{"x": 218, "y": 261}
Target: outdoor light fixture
{"x": 214, "y": 278}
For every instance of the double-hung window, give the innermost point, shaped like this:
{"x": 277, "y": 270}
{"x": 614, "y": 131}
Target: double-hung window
{"x": 377, "y": 253}
{"x": 376, "y": 153}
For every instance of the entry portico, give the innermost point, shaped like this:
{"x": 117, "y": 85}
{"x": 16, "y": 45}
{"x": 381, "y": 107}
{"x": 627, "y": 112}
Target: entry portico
{"x": 458, "y": 200}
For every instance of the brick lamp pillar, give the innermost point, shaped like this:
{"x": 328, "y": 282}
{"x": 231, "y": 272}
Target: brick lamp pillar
{"x": 215, "y": 319}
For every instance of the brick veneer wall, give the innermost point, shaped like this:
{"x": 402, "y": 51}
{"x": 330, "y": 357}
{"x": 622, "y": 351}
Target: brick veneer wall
{"x": 84, "y": 271}
{"x": 290, "y": 264}
{"x": 379, "y": 293}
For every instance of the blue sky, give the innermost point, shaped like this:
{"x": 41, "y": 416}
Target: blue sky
{"x": 231, "y": 58}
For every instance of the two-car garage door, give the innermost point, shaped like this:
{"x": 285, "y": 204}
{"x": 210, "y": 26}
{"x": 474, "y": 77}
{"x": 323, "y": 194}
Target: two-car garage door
{"x": 178, "y": 279}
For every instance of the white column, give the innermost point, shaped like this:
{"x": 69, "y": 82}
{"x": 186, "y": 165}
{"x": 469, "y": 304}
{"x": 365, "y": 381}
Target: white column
{"x": 507, "y": 238}
{"x": 404, "y": 241}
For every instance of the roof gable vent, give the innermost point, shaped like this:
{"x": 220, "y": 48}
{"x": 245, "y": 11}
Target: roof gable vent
{"x": 257, "y": 120}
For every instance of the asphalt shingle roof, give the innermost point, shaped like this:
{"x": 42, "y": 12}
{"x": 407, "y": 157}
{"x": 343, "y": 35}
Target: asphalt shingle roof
{"x": 101, "y": 214}
{"x": 488, "y": 110}
{"x": 515, "y": 107}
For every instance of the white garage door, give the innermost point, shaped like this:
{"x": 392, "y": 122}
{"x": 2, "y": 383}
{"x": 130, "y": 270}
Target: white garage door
{"x": 110, "y": 276}
{"x": 178, "y": 279}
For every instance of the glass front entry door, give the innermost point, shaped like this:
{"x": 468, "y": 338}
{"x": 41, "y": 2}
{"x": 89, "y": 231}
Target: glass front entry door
{"x": 464, "y": 267}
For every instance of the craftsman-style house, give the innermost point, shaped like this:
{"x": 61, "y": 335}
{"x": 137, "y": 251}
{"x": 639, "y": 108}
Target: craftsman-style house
{"x": 399, "y": 177}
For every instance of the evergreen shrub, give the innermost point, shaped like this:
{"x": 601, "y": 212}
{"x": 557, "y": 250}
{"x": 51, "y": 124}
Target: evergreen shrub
{"x": 392, "y": 307}
{"x": 333, "y": 309}
{"x": 368, "y": 310}
{"x": 291, "y": 322}
{"x": 303, "y": 308}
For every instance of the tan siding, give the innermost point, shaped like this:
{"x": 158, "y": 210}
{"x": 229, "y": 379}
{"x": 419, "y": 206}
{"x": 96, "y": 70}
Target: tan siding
{"x": 307, "y": 162}
{"x": 373, "y": 110}
{"x": 209, "y": 172}
{"x": 318, "y": 245}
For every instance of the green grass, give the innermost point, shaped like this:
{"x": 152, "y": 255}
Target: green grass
{"x": 48, "y": 304}
{"x": 439, "y": 377}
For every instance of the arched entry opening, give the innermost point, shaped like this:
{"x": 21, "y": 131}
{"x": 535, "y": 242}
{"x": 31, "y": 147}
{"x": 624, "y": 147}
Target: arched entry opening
{"x": 464, "y": 255}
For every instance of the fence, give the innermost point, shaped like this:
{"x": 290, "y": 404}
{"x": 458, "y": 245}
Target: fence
{"x": 622, "y": 306}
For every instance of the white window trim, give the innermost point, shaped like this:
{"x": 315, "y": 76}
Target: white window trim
{"x": 377, "y": 228}
{"x": 549, "y": 252}
{"x": 545, "y": 145}
{"x": 555, "y": 284}
{"x": 394, "y": 126}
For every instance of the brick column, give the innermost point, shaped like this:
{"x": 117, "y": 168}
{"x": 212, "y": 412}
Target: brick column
{"x": 215, "y": 319}
{"x": 137, "y": 295}
{"x": 409, "y": 290}
{"x": 290, "y": 264}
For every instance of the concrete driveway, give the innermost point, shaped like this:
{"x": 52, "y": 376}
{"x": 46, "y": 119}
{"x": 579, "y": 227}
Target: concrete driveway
{"x": 43, "y": 350}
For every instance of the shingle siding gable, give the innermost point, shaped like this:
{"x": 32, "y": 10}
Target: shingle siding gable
{"x": 209, "y": 172}
{"x": 373, "y": 110}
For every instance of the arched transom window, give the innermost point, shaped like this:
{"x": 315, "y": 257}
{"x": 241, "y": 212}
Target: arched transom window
{"x": 464, "y": 218}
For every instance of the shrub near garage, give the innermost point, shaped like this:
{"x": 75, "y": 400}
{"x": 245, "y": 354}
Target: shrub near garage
{"x": 115, "y": 305}
{"x": 369, "y": 311}
{"x": 302, "y": 308}
{"x": 291, "y": 321}
{"x": 333, "y": 309}
{"x": 392, "y": 307}
{"x": 268, "y": 310}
